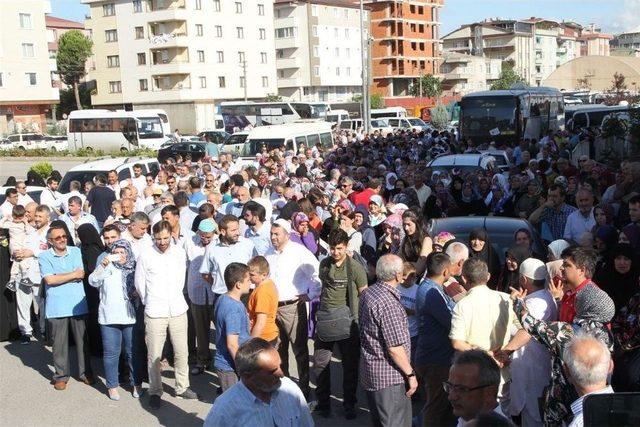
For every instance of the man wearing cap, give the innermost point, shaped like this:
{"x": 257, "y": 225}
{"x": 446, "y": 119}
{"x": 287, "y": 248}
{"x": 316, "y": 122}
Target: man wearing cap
{"x": 200, "y": 293}
{"x": 531, "y": 362}
{"x": 295, "y": 271}
{"x": 157, "y": 200}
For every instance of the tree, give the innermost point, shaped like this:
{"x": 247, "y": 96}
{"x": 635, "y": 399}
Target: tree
{"x": 440, "y": 117}
{"x": 73, "y": 51}
{"x": 618, "y": 83}
{"x": 68, "y": 101}
{"x": 431, "y": 87}
{"x": 273, "y": 97}
{"x": 508, "y": 77}
{"x": 376, "y": 101}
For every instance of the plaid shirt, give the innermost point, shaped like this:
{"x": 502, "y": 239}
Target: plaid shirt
{"x": 557, "y": 220}
{"x": 383, "y": 324}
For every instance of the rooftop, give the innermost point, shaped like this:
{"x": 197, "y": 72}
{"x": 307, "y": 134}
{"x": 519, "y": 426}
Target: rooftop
{"x": 55, "y": 22}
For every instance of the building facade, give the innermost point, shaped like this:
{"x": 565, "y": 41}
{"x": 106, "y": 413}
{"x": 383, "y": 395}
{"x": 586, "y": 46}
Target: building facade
{"x": 405, "y": 43}
{"x": 594, "y": 42}
{"x": 183, "y": 56}
{"x": 462, "y": 74}
{"x": 318, "y": 49}
{"x": 26, "y": 89}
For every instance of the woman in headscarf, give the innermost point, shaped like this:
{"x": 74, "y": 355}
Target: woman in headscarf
{"x": 390, "y": 185}
{"x": 91, "y": 247}
{"x": 445, "y": 199}
{"x": 605, "y": 238}
{"x": 529, "y": 201}
{"x": 619, "y": 278}
{"x": 302, "y": 233}
{"x": 594, "y": 310}
{"x": 630, "y": 234}
{"x": 480, "y": 247}
{"x": 499, "y": 202}
{"x": 470, "y": 204}
{"x": 626, "y": 333}
{"x": 417, "y": 244}
{"x": 556, "y": 248}
{"x": 34, "y": 179}
{"x": 114, "y": 277}
{"x": 369, "y": 241}
{"x": 392, "y": 236}
{"x": 441, "y": 239}
{"x": 510, "y": 275}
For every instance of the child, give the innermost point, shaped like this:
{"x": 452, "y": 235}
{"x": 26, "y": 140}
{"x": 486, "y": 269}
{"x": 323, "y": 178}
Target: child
{"x": 263, "y": 302}
{"x": 18, "y": 227}
{"x": 231, "y": 322}
{"x": 116, "y": 212}
{"x": 408, "y": 292}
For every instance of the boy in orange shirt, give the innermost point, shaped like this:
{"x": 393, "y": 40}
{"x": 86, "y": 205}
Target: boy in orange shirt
{"x": 263, "y": 302}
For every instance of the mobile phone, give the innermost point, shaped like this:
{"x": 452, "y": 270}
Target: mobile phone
{"x": 113, "y": 257}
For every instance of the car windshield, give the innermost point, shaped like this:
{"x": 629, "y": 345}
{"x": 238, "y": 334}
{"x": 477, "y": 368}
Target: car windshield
{"x": 379, "y": 123}
{"x": 236, "y": 139}
{"x": 254, "y": 146}
{"x": 81, "y": 176}
{"x": 483, "y": 116}
{"x": 417, "y": 122}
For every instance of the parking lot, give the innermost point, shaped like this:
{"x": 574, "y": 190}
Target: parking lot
{"x": 18, "y": 166}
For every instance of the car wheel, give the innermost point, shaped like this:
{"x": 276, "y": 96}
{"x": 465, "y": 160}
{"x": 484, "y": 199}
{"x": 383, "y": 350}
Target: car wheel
{"x": 53, "y": 149}
{"x": 124, "y": 149}
{"x": 22, "y": 149}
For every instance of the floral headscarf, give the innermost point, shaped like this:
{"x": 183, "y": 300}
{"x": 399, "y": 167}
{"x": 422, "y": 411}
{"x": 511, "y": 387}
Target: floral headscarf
{"x": 128, "y": 270}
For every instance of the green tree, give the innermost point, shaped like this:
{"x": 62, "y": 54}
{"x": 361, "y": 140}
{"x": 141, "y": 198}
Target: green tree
{"x": 68, "y": 101}
{"x": 376, "y": 101}
{"x": 273, "y": 97}
{"x": 73, "y": 51}
{"x": 508, "y": 77}
{"x": 440, "y": 117}
{"x": 431, "y": 87}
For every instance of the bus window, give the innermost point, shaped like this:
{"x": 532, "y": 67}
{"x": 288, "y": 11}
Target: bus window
{"x": 579, "y": 121}
{"x": 326, "y": 140}
{"x": 124, "y": 174}
{"x": 301, "y": 141}
{"x": 164, "y": 118}
{"x": 219, "y": 124}
{"x": 149, "y": 127}
{"x": 313, "y": 140}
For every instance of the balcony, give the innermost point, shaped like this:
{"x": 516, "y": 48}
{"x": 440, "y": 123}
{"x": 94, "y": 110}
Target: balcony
{"x": 539, "y": 60}
{"x": 288, "y": 43}
{"x": 290, "y": 82}
{"x": 498, "y": 44}
{"x": 168, "y": 82}
{"x": 285, "y": 22}
{"x": 288, "y": 63}
{"x": 169, "y": 55}
{"x": 168, "y": 10}
{"x": 456, "y": 75}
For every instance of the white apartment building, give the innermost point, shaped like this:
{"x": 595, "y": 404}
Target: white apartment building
{"x": 183, "y": 56}
{"x": 318, "y": 49}
{"x": 26, "y": 91}
{"x": 462, "y": 74}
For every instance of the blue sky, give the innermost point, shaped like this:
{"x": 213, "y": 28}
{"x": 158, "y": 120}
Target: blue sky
{"x": 612, "y": 15}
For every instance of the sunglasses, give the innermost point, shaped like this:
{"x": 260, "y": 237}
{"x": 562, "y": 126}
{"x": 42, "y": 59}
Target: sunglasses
{"x": 58, "y": 238}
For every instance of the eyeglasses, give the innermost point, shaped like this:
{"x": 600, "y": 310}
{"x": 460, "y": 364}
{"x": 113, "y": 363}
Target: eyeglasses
{"x": 58, "y": 238}
{"x": 448, "y": 387}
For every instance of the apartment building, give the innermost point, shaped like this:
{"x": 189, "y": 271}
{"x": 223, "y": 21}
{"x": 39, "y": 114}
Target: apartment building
{"x": 56, "y": 27}
{"x": 628, "y": 40}
{"x": 405, "y": 43}
{"x": 462, "y": 73}
{"x": 594, "y": 42}
{"x": 26, "y": 91}
{"x": 183, "y": 56}
{"x": 318, "y": 49}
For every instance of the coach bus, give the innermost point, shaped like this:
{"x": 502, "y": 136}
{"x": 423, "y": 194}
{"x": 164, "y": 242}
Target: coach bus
{"x": 113, "y": 130}
{"x": 511, "y": 115}
{"x": 238, "y": 116}
{"x": 385, "y": 113}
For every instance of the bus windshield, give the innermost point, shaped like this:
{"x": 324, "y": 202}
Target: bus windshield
{"x": 149, "y": 127}
{"x": 485, "y": 116}
{"x": 251, "y": 148}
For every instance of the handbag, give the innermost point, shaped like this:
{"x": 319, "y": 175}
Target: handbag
{"x": 335, "y": 324}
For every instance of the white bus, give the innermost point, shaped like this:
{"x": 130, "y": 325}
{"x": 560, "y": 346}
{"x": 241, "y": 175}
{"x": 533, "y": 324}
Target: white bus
{"x": 113, "y": 130}
{"x": 240, "y": 115}
{"x": 384, "y": 113}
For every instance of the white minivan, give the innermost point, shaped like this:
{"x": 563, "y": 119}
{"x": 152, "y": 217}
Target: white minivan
{"x": 409, "y": 123}
{"x": 337, "y": 116}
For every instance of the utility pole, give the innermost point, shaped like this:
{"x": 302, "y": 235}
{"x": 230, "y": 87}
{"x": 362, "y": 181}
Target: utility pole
{"x": 365, "y": 72}
{"x": 420, "y": 84}
{"x": 243, "y": 65}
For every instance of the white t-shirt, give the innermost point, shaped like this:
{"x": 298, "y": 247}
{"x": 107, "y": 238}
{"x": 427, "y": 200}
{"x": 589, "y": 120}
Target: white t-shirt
{"x": 408, "y": 300}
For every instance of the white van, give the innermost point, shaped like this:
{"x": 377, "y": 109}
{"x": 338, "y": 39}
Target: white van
{"x": 379, "y": 125}
{"x": 409, "y": 123}
{"x": 337, "y": 116}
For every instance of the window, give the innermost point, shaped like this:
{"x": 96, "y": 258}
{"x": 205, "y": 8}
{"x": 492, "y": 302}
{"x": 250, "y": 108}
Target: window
{"x": 201, "y": 56}
{"x": 25, "y": 21}
{"x": 139, "y": 32}
{"x": 221, "y": 81}
{"x": 240, "y": 32}
{"x": 336, "y": 13}
{"x": 238, "y": 7}
{"x": 108, "y": 9}
{"x": 27, "y": 50}
{"x": 280, "y": 53}
{"x": 336, "y": 33}
{"x": 316, "y": 71}
{"x": 115, "y": 87}
{"x": 265, "y": 81}
{"x": 348, "y": 53}
{"x": 261, "y": 10}
{"x": 144, "y": 85}
{"x": 199, "y": 30}
{"x": 314, "y": 10}
{"x": 137, "y": 7}
{"x": 216, "y": 5}
{"x": 142, "y": 59}
{"x": 30, "y": 79}
{"x": 263, "y": 57}
{"x": 198, "y": 4}
{"x": 346, "y": 33}
{"x": 337, "y": 51}
{"x": 316, "y": 54}
{"x": 337, "y": 71}
{"x": 220, "y": 56}
{"x": 1, "y": 80}
{"x": 241, "y": 57}
{"x": 346, "y": 13}
{"x": 111, "y": 36}
{"x": 315, "y": 31}
{"x": 203, "y": 81}
{"x": 218, "y": 30}
{"x": 348, "y": 71}
{"x": 284, "y": 33}
{"x": 113, "y": 61}
{"x": 243, "y": 81}
{"x": 263, "y": 33}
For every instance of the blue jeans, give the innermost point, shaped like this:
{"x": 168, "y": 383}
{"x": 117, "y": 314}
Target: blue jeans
{"x": 112, "y": 338}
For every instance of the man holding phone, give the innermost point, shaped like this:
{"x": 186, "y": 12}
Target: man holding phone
{"x": 62, "y": 271}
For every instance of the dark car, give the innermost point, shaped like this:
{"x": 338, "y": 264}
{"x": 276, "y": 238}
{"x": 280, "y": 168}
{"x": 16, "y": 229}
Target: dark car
{"x": 215, "y": 136}
{"x": 501, "y": 231}
{"x": 197, "y": 150}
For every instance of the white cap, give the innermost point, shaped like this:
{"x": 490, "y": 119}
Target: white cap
{"x": 534, "y": 269}
{"x": 281, "y": 222}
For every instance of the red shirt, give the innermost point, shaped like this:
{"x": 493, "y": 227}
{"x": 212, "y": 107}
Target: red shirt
{"x": 362, "y": 198}
{"x": 567, "y": 305}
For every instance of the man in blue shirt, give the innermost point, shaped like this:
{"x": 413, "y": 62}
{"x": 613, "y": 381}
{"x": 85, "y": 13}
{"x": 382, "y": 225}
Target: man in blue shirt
{"x": 232, "y": 323}
{"x": 66, "y": 306}
{"x": 434, "y": 351}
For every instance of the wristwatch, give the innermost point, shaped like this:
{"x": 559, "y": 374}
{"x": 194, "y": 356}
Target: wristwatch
{"x": 412, "y": 374}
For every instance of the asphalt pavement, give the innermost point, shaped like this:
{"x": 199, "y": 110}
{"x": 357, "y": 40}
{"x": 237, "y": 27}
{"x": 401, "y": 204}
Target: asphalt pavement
{"x": 28, "y": 399}
{"x": 19, "y": 166}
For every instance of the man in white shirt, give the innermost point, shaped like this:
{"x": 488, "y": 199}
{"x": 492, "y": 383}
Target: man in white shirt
{"x": 581, "y": 220}
{"x": 295, "y": 272}
{"x": 159, "y": 280}
{"x": 179, "y": 234}
{"x": 187, "y": 216}
{"x": 74, "y": 190}
{"x": 254, "y": 215}
{"x": 423, "y": 191}
{"x": 23, "y": 198}
{"x": 588, "y": 364}
{"x": 11, "y": 200}
{"x": 50, "y": 196}
{"x": 136, "y": 233}
{"x": 75, "y": 217}
{"x": 112, "y": 183}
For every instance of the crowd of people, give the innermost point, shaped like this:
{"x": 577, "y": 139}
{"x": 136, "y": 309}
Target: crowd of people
{"x": 332, "y": 246}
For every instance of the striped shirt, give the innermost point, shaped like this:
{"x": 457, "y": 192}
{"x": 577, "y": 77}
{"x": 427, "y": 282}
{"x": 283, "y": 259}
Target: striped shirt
{"x": 383, "y": 324}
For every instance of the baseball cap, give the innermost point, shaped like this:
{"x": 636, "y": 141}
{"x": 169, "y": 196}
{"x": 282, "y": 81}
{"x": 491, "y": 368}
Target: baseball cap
{"x": 533, "y": 269}
{"x": 281, "y": 222}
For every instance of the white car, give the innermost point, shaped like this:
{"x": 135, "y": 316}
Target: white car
{"x": 123, "y": 165}
{"x": 380, "y": 125}
{"x": 5, "y": 144}
{"x": 409, "y": 123}
{"x": 465, "y": 163}
{"x": 56, "y": 143}
{"x": 28, "y": 141}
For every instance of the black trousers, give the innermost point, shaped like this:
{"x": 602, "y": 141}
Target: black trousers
{"x": 350, "y": 351}
{"x": 60, "y": 333}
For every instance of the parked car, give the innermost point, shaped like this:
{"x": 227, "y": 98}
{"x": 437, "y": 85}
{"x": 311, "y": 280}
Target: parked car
{"x": 502, "y": 158}
{"x": 234, "y": 143}
{"x": 465, "y": 163}
{"x": 123, "y": 165}
{"x": 379, "y": 125}
{"x": 56, "y": 143}
{"x": 409, "y": 123}
{"x": 32, "y": 190}
{"x": 197, "y": 150}
{"x": 190, "y": 138}
{"x": 215, "y": 136}
{"x": 501, "y": 230}
{"x": 28, "y": 141}
{"x": 5, "y": 144}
